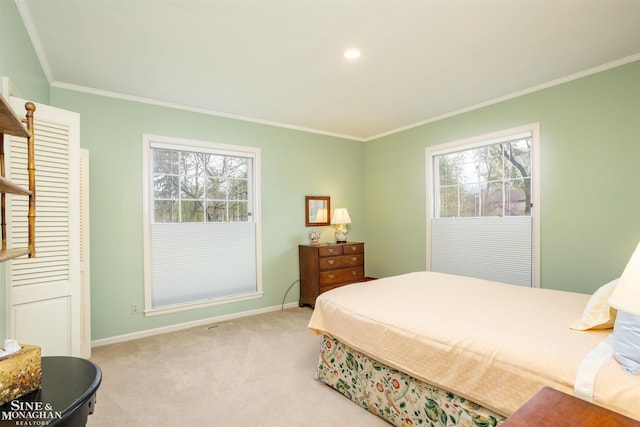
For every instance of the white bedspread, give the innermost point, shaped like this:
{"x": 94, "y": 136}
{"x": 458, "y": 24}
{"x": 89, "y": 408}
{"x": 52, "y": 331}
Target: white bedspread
{"x": 493, "y": 343}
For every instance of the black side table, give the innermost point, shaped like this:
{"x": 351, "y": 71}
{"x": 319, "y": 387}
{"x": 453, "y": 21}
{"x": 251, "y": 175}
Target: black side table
{"x": 66, "y": 398}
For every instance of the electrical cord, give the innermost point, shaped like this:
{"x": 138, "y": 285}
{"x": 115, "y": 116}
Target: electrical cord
{"x": 285, "y": 294}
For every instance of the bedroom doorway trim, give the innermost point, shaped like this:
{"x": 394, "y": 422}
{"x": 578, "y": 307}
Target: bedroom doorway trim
{"x": 502, "y": 244}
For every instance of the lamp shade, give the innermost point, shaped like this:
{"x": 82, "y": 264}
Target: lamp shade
{"x": 341, "y": 216}
{"x": 626, "y": 296}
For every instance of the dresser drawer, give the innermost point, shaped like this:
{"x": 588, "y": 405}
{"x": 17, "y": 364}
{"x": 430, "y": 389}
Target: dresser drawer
{"x": 340, "y": 276}
{"x": 357, "y": 248}
{"x": 329, "y": 287}
{"x": 330, "y": 251}
{"x": 341, "y": 262}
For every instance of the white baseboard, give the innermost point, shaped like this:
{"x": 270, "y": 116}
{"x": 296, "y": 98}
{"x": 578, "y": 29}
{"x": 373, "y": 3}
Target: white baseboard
{"x": 186, "y": 325}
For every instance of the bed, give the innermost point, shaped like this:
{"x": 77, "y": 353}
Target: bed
{"x": 435, "y": 349}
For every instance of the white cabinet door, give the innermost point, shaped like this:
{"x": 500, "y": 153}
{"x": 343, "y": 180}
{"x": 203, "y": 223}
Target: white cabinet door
{"x": 44, "y": 293}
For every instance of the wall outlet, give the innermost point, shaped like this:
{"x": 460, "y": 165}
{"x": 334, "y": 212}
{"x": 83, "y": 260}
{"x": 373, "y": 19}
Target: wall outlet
{"x": 135, "y": 308}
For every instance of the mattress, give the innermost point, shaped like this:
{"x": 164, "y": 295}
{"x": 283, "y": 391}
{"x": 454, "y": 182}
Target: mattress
{"x": 492, "y": 343}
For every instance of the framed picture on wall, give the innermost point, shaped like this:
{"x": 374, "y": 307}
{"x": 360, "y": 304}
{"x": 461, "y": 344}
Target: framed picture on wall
{"x": 317, "y": 211}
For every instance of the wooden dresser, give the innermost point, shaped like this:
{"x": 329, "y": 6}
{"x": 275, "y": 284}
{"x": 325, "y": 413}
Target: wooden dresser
{"x": 325, "y": 266}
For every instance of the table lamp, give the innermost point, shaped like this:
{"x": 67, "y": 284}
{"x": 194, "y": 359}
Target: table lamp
{"x": 626, "y": 331}
{"x": 340, "y": 220}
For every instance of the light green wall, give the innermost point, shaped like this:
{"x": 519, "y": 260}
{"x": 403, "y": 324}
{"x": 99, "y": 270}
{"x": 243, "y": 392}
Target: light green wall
{"x": 18, "y": 59}
{"x": 294, "y": 164}
{"x": 590, "y": 147}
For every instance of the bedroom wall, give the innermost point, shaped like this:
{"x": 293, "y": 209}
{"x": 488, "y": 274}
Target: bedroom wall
{"x": 590, "y": 147}
{"x": 18, "y": 59}
{"x": 294, "y": 164}
{"x": 19, "y": 62}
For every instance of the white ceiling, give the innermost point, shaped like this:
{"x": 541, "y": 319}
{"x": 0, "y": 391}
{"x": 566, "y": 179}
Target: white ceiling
{"x": 281, "y": 61}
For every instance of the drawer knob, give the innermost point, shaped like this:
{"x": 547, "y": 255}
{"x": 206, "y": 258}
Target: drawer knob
{"x": 354, "y": 258}
{"x": 354, "y": 272}
{"x": 331, "y": 261}
{"x": 330, "y": 250}
{"x": 331, "y": 276}
{"x": 354, "y": 248}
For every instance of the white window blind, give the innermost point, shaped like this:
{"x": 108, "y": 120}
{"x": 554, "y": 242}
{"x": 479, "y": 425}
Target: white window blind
{"x": 201, "y": 261}
{"x": 490, "y": 248}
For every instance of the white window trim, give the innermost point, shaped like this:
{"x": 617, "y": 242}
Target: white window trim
{"x": 476, "y": 141}
{"x": 189, "y": 145}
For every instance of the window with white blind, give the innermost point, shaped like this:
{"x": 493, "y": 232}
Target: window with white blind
{"x": 481, "y": 194}
{"x": 202, "y": 223}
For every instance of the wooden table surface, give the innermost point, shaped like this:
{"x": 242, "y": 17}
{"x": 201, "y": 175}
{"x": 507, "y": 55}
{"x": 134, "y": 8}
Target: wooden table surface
{"x": 551, "y": 408}
{"x": 65, "y": 399}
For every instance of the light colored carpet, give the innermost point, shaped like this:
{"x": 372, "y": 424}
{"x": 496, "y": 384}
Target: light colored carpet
{"x": 253, "y": 371}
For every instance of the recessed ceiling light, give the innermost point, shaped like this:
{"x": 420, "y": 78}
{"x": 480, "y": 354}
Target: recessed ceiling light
{"x": 352, "y": 54}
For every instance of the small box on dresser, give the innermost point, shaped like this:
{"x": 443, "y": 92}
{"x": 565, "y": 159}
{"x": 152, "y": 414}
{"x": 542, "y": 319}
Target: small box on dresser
{"x": 325, "y": 266}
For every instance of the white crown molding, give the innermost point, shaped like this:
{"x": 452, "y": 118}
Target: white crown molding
{"x": 35, "y": 40}
{"x": 532, "y": 89}
{"x": 200, "y": 110}
{"x": 556, "y": 82}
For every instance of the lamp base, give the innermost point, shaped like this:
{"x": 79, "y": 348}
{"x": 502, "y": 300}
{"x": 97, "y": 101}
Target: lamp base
{"x": 341, "y": 233}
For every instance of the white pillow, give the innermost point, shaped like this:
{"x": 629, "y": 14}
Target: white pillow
{"x": 598, "y": 314}
{"x": 626, "y": 342}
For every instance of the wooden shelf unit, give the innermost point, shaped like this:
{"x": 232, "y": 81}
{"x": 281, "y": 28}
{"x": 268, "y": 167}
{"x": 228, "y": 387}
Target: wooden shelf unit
{"x": 10, "y": 124}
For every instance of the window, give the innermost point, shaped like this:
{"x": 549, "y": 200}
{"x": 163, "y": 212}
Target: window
{"x": 200, "y": 187}
{"x": 491, "y": 180}
{"x": 481, "y": 195}
{"x": 201, "y": 223}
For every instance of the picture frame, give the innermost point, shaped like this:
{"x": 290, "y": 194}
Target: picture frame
{"x": 317, "y": 211}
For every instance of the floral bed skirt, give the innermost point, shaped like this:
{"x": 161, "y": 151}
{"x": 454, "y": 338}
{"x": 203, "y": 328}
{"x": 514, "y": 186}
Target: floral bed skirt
{"x": 394, "y": 395}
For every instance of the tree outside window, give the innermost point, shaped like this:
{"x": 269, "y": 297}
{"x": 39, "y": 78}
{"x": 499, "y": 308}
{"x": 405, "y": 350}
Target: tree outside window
{"x": 493, "y": 180}
{"x": 200, "y": 187}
